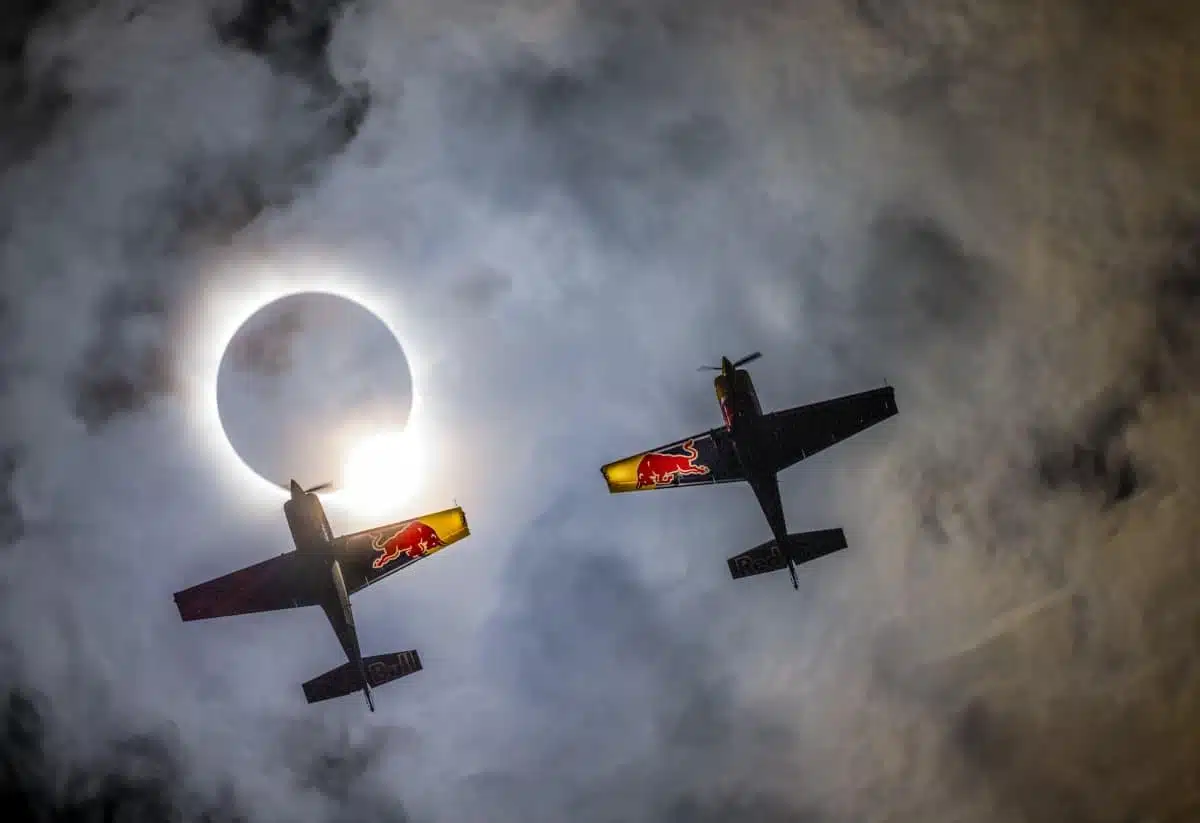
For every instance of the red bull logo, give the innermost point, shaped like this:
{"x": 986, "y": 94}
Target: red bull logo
{"x": 662, "y": 469}
{"x": 414, "y": 540}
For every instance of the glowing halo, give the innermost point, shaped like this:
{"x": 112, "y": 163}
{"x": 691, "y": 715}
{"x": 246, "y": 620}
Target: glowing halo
{"x": 216, "y": 313}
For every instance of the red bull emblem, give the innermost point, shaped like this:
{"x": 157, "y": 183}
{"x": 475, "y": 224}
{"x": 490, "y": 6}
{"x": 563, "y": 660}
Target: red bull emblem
{"x": 662, "y": 469}
{"x": 414, "y": 540}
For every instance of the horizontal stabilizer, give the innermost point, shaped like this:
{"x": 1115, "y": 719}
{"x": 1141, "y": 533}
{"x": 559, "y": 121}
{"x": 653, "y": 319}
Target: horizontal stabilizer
{"x": 803, "y": 547}
{"x": 384, "y": 668}
{"x": 345, "y": 679}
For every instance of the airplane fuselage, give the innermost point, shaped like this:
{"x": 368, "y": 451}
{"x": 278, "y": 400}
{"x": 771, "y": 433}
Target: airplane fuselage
{"x": 743, "y": 416}
{"x": 314, "y": 539}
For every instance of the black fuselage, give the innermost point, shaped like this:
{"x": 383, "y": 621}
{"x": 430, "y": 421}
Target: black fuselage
{"x": 314, "y": 540}
{"x": 743, "y": 419}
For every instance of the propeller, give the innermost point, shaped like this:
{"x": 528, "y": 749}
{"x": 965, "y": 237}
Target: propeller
{"x": 750, "y": 358}
{"x": 295, "y": 488}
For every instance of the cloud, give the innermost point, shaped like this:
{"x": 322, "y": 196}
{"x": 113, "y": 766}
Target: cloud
{"x": 578, "y": 203}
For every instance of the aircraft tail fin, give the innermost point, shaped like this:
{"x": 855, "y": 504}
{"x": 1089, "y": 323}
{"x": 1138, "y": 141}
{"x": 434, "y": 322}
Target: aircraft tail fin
{"x": 801, "y": 548}
{"x": 348, "y": 678}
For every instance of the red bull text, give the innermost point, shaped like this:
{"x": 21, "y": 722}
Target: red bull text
{"x": 414, "y": 540}
{"x": 660, "y": 469}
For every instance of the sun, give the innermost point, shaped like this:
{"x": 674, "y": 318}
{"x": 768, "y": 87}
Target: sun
{"x": 381, "y": 469}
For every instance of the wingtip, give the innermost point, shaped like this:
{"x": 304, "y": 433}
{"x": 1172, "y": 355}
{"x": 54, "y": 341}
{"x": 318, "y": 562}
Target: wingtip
{"x": 606, "y": 471}
{"x": 179, "y": 606}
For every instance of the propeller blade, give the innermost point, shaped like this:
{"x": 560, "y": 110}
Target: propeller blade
{"x": 319, "y": 488}
{"x": 750, "y": 358}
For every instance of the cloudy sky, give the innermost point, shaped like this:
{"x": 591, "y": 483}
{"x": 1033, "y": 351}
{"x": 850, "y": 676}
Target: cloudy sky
{"x": 567, "y": 207}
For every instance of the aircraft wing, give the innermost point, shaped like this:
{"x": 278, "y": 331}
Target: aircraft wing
{"x": 368, "y": 556}
{"x": 805, "y": 430}
{"x": 278, "y": 583}
{"x": 704, "y": 458}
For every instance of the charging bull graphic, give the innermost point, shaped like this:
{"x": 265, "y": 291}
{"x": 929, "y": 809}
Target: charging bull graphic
{"x": 414, "y": 540}
{"x": 663, "y": 468}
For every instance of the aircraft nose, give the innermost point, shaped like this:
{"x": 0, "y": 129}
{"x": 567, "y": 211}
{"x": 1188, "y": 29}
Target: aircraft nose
{"x": 295, "y": 489}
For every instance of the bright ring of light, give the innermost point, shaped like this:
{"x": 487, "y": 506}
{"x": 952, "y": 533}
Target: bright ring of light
{"x": 217, "y": 314}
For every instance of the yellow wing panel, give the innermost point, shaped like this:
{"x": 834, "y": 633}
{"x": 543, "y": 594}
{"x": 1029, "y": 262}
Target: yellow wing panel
{"x": 702, "y": 459}
{"x": 450, "y": 526}
{"x": 372, "y": 554}
{"x": 621, "y": 475}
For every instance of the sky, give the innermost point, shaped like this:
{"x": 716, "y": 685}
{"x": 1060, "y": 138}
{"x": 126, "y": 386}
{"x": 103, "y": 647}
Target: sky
{"x": 564, "y": 208}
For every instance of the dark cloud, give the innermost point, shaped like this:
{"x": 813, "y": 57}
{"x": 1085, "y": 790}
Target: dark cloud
{"x": 140, "y": 779}
{"x": 1100, "y": 459}
{"x": 919, "y": 274}
{"x": 10, "y": 512}
{"x": 31, "y": 100}
{"x": 267, "y": 350}
{"x": 124, "y": 366}
{"x": 1172, "y": 363}
{"x": 291, "y": 36}
{"x": 1095, "y": 465}
{"x": 481, "y": 288}
{"x": 553, "y": 123}
{"x": 207, "y": 200}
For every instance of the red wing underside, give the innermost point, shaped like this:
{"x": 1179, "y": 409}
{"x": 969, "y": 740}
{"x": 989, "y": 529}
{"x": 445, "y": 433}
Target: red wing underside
{"x": 803, "y": 431}
{"x": 264, "y": 587}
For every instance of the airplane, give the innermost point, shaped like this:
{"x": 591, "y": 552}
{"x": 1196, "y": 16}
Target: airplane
{"x": 754, "y": 447}
{"x": 325, "y": 571}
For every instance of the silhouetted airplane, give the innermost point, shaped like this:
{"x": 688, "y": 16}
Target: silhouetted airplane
{"x": 755, "y": 447}
{"x": 324, "y": 571}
